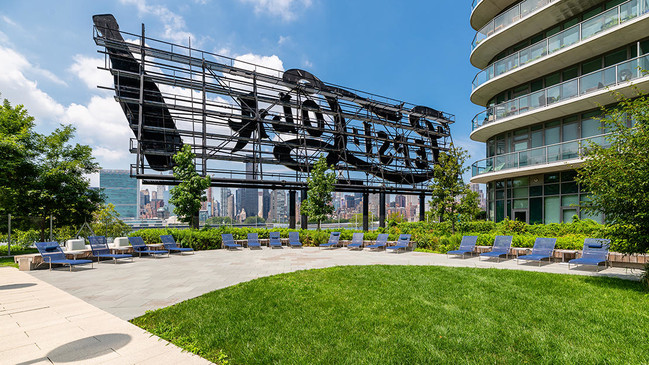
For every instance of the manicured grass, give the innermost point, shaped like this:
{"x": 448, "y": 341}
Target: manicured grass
{"x": 9, "y": 261}
{"x": 414, "y": 314}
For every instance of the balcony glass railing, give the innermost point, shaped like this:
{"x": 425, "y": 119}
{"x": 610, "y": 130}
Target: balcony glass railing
{"x": 537, "y": 156}
{"x": 507, "y": 18}
{"x": 614, "y": 75}
{"x": 575, "y": 34}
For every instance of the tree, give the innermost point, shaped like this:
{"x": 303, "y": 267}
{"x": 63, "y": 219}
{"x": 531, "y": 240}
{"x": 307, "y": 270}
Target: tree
{"x": 468, "y": 208}
{"x": 106, "y": 221}
{"x": 219, "y": 221}
{"x": 616, "y": 170}
{"x": 44, "y": 175}
{"x": 447, "y": 185}
{"x": 254, "y": 220}
{"x": 190, "y": 193}
{"x": 321, "y": 184}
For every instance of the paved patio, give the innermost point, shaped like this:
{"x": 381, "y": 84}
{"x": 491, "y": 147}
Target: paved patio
{"x": 41, "y": 324}
{"x": 128, "y": 289}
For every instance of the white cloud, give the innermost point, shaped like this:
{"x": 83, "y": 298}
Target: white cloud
{"x": 85, "y": 68}
{"x": 282, "y": 40}
{"x": 174, "y": 24}
{"x": 19, "y": 89}
{"x": 286, "y": 9}
{"x": 8, "y": 20}
{"x": 308, "y": 64}
{"x": 101, "y": 123}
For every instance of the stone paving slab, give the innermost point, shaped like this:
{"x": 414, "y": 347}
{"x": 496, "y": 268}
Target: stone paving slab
{"x": 128, "y": 290}
{"x": 41, "y": 324}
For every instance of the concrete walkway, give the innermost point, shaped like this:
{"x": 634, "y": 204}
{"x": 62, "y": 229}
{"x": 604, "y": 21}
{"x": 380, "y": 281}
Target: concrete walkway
{"x": 41, "y": 324}
{"x": 129, "y": 289}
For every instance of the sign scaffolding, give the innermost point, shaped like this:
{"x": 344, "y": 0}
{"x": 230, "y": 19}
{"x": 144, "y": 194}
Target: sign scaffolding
{"x": 255, "y": 127}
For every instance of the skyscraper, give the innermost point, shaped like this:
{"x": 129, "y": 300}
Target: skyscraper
{"x": 546, "y": 66}
{"x": 121, "y": 190}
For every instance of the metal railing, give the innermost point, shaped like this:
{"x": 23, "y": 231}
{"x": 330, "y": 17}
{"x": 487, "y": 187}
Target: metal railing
{"x": 620, "y": 73}
{"x": 568, "y": 150}
{"x": 503, "y": 20}
{"x": 575, "y": 34}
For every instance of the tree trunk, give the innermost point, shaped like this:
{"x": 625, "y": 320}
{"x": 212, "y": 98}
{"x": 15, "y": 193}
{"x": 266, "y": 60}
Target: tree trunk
{"x": 318, "y": 224}
{"x": 194, "y": 223}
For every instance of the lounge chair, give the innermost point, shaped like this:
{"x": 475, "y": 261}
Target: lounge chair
{"x": 294, "y": 239}
{"x": 381, "y": 242}
{"x": 334, "y": 238}
{"x": 501, "y": 246}
{"x": 52, "y": 253}
{"x": 99, "y": 247}
{"x": 274, "y": 240}
{"x": 139, "y": 247}
{"x": 543, "y": 248}
{"x": 228, "y": 241}
{"x": 594, "y": 253}
{"x": 253, "y": 240}
{"x": 402, "y": 243}
{"x": 467, "y": 245}
{"x": 357, "y": 241}
{"x": 170, "y": 245}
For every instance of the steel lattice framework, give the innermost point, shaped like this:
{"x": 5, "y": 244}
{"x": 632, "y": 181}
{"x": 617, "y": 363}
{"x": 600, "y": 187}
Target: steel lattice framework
{"x": 276, "y": 122}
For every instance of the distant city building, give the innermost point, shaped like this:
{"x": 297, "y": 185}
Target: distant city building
{"x": 226, "y": 209}
{"x": 278, "y": 208}
{"x": 121, "y": 190}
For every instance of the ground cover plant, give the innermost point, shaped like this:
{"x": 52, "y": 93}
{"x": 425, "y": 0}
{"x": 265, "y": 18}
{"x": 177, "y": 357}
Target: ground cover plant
{"x": 413, "y": 314}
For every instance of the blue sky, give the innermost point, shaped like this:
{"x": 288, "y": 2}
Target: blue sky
{"x": 417, "y": 51}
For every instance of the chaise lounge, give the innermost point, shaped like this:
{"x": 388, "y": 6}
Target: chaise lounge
{"x": 543, "y": 248}
{"x": 594, "y": 253}
{"x": 334, "y": 238}
{"x": 170, "y": 245}
{"x": 228, "y": 241}
{"x": 294, "y": 239}
{"x": 467, "y": 245}
{"x": 274, "y": 240}
{"x": 100, "y": 249}
{"x": 139, "y": 247}
{"x": 381, "y": 242}
{"x": 501, "y": 246}
{"x": 357, "y": 241}
{"x": 52, "y": 253}
{"x": 253, "y": 240}
{"x": 402, "y": 243}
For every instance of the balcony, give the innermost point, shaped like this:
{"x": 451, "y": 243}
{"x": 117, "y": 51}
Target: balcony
{"x": 610, "y": 20}
{"x": 483, "y": 11}
{"x": 592, "y": 83}
{"x": 502, "y": 21}
{"x": 548, "y": 158}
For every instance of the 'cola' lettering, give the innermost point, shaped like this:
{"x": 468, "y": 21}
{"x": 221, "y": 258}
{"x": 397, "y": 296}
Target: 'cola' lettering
{"x": 385, "y": 155}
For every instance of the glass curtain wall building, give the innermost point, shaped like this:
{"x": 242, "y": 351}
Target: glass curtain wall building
{"x": 545, "y": 66}
{"x": 121, "y": 190}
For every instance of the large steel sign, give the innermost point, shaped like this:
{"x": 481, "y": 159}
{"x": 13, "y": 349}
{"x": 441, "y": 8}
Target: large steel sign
{"x": 230, "y": 110}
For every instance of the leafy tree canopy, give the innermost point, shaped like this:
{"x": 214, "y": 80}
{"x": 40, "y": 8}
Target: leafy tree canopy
{"x": 43, "y": 175}
{"x": 452, "y": 198}
{"x": 190, "y": 193}
{"x": 616, "y": 169}
{"x": 321, "y": 184}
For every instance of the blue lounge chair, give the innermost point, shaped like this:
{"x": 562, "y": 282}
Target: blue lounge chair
{"x": 467, "y": 245}
{"x": 139, "y": 247}
{"x": 253, "y": 240}
{"x": 170, "y": 245}
{"x": 402, "y": 243}
{"x": 357, "y": 241}
{"x": 274, "y": 240}
{"x": 228, "y": 241}
{"x": 381, "y": 242}
{"x": 501, "y": 246}
{"x": 294, "y": 239}
{"x": 100, "y": 250}
{"x": 52, "y": 253}
{"x": 543, "y": 248}
{"x": 334, "y": 238}
{"x": 594, "y": 253}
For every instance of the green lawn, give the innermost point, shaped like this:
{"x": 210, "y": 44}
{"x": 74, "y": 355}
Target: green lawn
{"x": 414, "y": 314}
{"x": 9, "y": 261}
